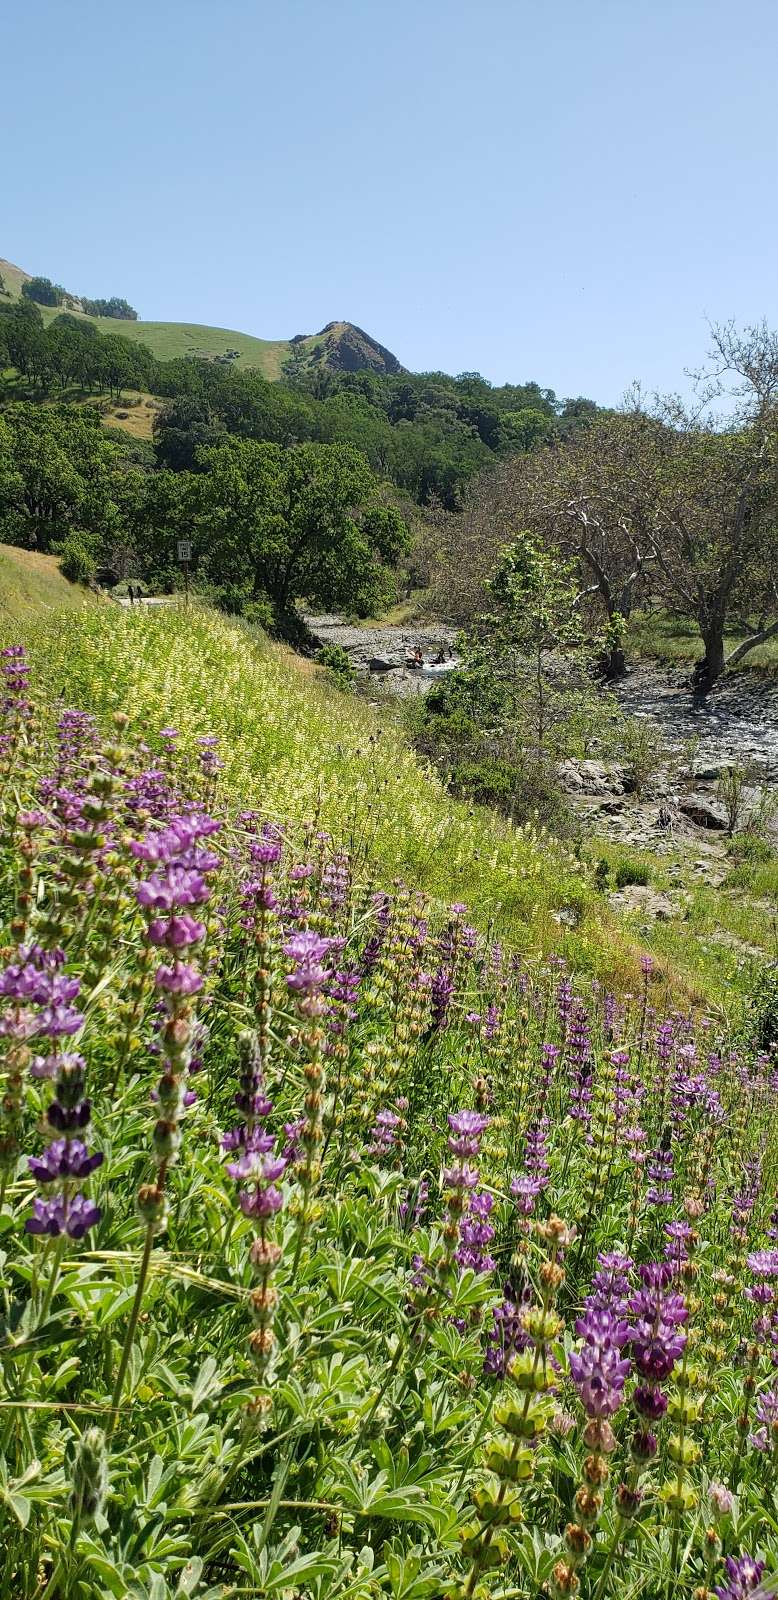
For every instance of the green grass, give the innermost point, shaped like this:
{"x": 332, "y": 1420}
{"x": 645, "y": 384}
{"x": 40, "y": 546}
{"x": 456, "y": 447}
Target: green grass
{"x": 168, "y": 340}
{"x": 660, "y": 636}
{"x": 295, "y": 747}
{"x": 32, "y": 587}
{"x": 719, "y": 934}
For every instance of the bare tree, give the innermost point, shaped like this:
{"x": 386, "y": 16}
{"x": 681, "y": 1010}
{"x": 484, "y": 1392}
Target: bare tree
{"x": 715, "y": 536}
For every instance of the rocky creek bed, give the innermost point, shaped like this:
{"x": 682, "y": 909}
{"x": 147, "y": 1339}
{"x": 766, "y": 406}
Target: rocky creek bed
{"x": 679, "y": 815}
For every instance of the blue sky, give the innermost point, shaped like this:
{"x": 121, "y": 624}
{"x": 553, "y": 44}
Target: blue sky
{"x": 554, "y": 191}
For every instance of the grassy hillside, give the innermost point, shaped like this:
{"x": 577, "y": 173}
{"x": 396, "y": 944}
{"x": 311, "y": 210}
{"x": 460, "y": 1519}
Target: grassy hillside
{"x": 13, "y": 278}
{"x": 172, "y": 340}
{"x": 32, "y": 586}
{"x": 168, "y": 340}
{"x": 292, "y": 746}
{"x": 659, "y": 635}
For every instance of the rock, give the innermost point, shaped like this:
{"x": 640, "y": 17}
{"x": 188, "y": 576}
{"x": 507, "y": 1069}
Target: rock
{"x": 382, "y": 664}
{"x": 568, "y": 917}
{"x": 649, "y": 902}
{"x": 592, "y": 777}
{"x": 704, "y": 813}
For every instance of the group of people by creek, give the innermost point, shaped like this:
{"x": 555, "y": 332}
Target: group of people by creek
{"x": 415, "y": 658}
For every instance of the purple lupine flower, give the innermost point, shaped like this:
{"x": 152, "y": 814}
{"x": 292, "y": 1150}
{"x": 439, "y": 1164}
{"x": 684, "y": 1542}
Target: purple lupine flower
{"x": 179, "y": 978}
{"x": 73, "y": 1216}
{"x": 655, "y": 1333}
{"x": 611, "y": 1285}
{"x": 660, "y": 1171}
{"x": 743, "y": 1576}
{"x": 180, "y": 886}
{"x": 461, "y": 1176}
{"x": 335, "y": 880}
{"x": 176, "y": 932}
{"x": 64, "y": 1158}
{"x": 420, "y": 1197}
{"x": 677, "y": 1247}
{"x": 441, "y": 993}
{"x": 475, "y": 1234}
{"x": 293, "y": 1148}
{"x": 525, "y": 1190}
{"x": 564, "y": 999}
{"x": 466, "y": 1130}
{"x": 580, "y": 1058}
{"x": 491, "y": 1023}
{"x": 383, "y": 1135}
{"x": 721, "y": 1499}
{"x": 765, "y": 1437}
{"x": 306, "y": 951}
{"x": 507, "y": 1334}
{"x": 763, "y": 1263}
{"x": 598, "y": 1369}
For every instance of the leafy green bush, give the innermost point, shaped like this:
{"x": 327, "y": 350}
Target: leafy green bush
{"x": 76, "y": 561}
{"x": 340, "y": 667}
{"x": 642, "y": 752}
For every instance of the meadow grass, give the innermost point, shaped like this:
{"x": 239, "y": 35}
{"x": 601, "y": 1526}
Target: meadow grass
{"x": 32, "y": 586}
{"x": 661, "y": 636}
{"x": 169, "y": 341}
{"x": 296, "y": 747}
{"x": 293, "y": 745}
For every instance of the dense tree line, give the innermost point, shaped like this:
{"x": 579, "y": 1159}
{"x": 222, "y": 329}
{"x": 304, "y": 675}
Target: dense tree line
{"x": 267, "y": 524}
{"x": 42, "y": 292}
{"x": 428, "y": 433}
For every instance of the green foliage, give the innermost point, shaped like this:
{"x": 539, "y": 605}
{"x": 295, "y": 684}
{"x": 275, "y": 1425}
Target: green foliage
{"x": 195, "y": 671}
{"x": 115, "y": 307}
{"x": 762, "y": 1006}
{"x": 58, "y": 473}
{"x": 339, "y": 665}
{"x": 429, "y": 434}
{"x": 642, "y": 752}
{"x": 286, "y": 523}
{"x": 43, "y": 292}
{"x": 76, "y": 560}
{"x": 306, "y": 1387}
{"x": 628, "y": 870}
{"x": 519, "y": 699}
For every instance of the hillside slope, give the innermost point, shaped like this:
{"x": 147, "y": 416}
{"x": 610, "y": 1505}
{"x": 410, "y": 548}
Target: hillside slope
{"x": 32, "y": 587}
{"x": 338, "y": 347}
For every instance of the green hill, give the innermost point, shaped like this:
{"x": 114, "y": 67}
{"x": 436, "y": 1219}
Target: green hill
{"x": 340, "y": 346}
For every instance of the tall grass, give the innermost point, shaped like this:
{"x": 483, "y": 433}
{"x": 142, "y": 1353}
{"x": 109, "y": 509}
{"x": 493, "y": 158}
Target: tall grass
{"x": 294, "y": 747}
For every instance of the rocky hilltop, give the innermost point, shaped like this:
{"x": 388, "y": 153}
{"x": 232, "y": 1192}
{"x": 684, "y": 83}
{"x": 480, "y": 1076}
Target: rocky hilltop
{"x": 347, "y": 348}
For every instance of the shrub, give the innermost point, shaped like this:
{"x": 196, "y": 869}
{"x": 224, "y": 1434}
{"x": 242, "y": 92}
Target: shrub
{"x": 731, "y": 792}
{"x": 762, "y": 1006}
{"x": 339, "y": 665}
{"x": 642, "y": 752}
{"x": 76, "y": 561}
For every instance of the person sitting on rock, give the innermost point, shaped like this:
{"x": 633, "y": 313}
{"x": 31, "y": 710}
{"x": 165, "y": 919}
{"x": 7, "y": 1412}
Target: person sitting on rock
{"x": 418, "y": 659}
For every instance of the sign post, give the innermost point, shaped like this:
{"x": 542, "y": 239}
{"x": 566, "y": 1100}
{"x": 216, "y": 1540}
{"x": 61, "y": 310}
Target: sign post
{"x": 184, "y": 558}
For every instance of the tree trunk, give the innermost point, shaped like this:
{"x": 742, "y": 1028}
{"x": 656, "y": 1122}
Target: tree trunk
{"x": 709, "y": 669}
{"x": 614, "y": 663}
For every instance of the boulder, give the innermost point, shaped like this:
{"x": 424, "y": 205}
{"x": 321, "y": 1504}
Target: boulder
{"x": 382, "y": 664}
{"x": 703, "y": 812}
